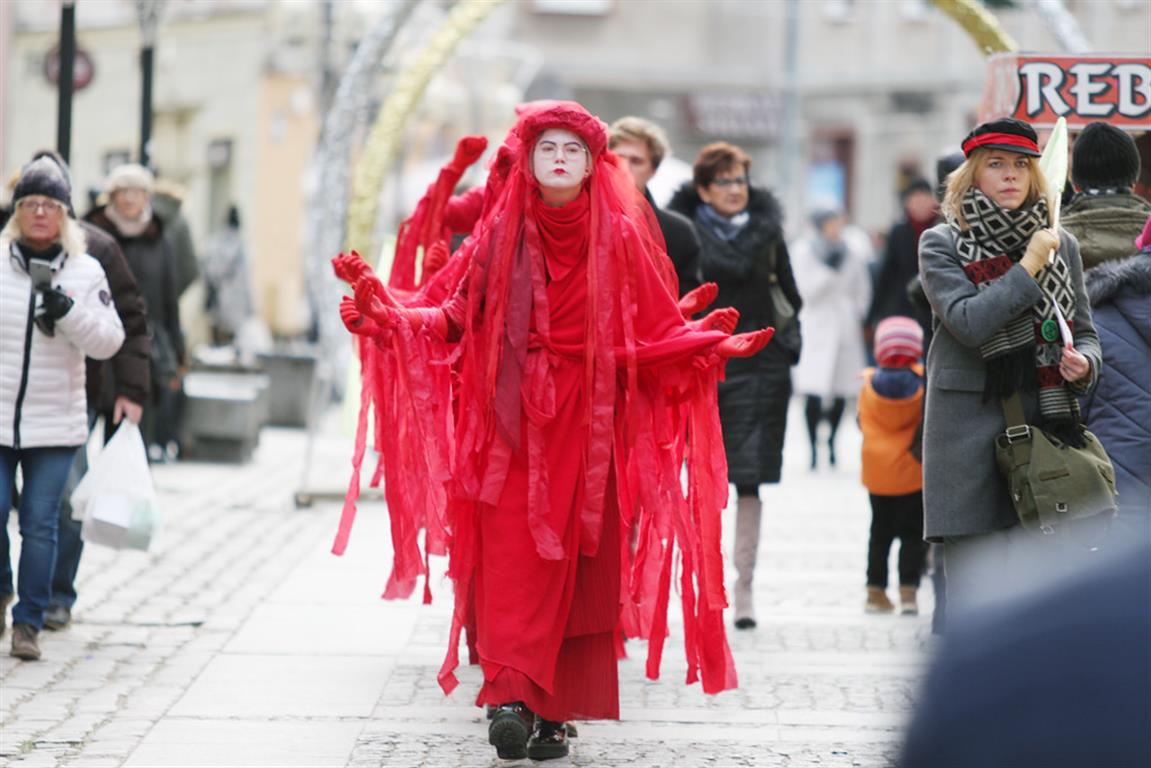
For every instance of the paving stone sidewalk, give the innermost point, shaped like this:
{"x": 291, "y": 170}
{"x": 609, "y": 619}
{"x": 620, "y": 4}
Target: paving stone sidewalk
{"x": 239, "y": 640}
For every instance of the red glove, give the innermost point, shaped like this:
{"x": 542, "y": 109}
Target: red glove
{"x": 697, "y": 300}
{"x": 355, "y": 321}
{"x": 468, "y": 150}
{"x": 435, "y": 258}
{"x": 744, "y": 344}
{"x": 350, "y": 267}
{"x": 369, "y": 304}
{"x": 723, "y": 319}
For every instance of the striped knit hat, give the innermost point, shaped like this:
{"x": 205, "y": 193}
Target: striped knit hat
{"x": 898, "y": 342}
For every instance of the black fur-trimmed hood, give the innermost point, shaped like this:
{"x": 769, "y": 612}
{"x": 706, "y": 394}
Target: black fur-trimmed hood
{"x": 1106, "y": 280}
{"x": 765, "y": 209}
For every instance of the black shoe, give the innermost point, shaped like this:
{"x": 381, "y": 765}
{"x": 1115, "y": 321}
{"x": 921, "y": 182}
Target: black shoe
{"x": 57, "y": 617}
{"x": 509, "y": 731}
{"x": 549, "y": 741}
{"x": 745, "y": 622}
{"x": 573, "y": 732}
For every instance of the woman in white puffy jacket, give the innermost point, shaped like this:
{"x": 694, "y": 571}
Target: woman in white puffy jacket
{"x": 55, "y": 308}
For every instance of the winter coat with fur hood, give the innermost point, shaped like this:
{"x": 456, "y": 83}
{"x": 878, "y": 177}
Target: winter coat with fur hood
{"x": 42, "y": 398}
{"x": 1118, "y": 410}
{"x": 754, "y": 395}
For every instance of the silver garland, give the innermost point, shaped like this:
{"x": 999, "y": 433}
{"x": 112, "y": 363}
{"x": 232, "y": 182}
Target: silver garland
{"x": 329, "y": 209}
{"x": 1063, "y": 25}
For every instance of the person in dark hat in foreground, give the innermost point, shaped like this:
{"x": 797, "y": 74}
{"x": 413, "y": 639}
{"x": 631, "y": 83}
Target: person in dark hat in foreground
{"x": 1105, "y": 215}
{"x": 1059, "y": 680}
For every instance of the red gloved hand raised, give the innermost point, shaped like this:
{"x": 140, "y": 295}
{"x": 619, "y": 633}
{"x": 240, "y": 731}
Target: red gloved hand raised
{"x": 745, "y": 344}
{"x": 723, "y": 319}
{"x": 368, "y": 303}
{"x": 468, "y": 150}
{"x": 355, "y": 320}
{"x": 350, "y": 267}
{"x": 698, "y": 299}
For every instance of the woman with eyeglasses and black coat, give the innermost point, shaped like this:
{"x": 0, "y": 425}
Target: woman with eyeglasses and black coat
{"x": 743, "y": 252}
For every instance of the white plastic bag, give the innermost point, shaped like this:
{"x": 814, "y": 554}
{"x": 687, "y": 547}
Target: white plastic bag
{"x": 116, "y": 498}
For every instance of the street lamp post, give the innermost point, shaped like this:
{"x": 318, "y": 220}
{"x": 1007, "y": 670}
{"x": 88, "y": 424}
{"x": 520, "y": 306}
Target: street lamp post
{"x": 65, "y": 78}
{"x": 148, "y": 13}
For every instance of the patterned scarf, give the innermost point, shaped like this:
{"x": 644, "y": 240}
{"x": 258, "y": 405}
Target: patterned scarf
{"x": 1024, "y": 354}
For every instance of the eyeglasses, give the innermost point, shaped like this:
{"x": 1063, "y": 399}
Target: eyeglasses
{"x": 571, "y": 150}
{"x": 734, "y": 181}
{"x": 39, "y": 206}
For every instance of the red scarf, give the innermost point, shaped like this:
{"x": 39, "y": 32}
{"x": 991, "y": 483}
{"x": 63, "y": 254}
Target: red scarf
{"x": 564, "y": 233}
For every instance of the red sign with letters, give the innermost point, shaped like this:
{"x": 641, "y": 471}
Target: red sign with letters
{"x": 1040, "y": 89}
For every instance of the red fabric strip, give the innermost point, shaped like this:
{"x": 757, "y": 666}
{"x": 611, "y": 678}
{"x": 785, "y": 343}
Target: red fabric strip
{"x": 1009, "y": 139}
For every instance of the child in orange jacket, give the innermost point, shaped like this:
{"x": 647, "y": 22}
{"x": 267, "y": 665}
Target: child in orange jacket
{"x": 891, "y": 418}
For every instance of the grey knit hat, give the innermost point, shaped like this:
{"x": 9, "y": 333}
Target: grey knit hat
{"x": 47, "y": 176}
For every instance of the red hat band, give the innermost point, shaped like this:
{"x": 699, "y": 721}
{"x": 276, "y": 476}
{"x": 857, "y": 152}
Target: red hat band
{"x": 1009, "y": 139}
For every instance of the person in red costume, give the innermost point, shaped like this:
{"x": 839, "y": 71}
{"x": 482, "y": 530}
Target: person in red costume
{"x": 574, "y": 360}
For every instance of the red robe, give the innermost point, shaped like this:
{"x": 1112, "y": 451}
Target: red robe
{"x": 547, "y": 625}
{"x": 574, "y": 390}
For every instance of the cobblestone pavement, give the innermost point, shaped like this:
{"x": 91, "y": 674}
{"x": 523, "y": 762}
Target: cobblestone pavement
{"x": 240, "y": 640}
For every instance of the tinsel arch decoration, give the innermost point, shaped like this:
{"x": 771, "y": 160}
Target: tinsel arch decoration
{"x": 980, "y": 24}
{"x": 387, "y": 132}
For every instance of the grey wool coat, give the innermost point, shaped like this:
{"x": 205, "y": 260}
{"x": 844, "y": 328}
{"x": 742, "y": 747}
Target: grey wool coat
{"x": 963, "y": 492}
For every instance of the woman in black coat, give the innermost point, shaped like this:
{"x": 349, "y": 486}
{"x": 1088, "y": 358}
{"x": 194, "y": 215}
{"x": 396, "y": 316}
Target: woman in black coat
{"x": 742, "y": 250}
{"x": 128, "y": 217}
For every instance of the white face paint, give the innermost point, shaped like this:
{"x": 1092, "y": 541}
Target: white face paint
{"x": 560, "y": 163}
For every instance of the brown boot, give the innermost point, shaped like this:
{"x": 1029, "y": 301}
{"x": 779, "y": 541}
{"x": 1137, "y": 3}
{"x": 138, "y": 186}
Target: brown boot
{"x": 907, "y": 603}
{"x": 748, "y": 513}
{"x": 24, "y": 642}
{"x": 877, "y": 601}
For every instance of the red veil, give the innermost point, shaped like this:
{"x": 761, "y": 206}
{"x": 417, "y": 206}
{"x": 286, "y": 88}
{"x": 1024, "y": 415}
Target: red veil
{"x": 647, "y": 378}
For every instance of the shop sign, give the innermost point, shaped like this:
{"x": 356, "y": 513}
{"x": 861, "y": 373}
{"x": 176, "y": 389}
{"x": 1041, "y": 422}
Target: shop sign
{"x": 1040, "y": 89}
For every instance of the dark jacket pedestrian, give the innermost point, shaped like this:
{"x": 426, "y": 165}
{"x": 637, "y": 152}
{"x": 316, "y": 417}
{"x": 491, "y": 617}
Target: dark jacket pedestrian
{"x": 1105, "y": 216}
{"x": 642, "y": 145}
{"x": 743, "y": 252}
{"x": 682, "y": 245}
{"x": 900, "y": 262}
{"x": 754, "y": 396}
{"x": 127, "y": 374}
{"x": 140, "y": 234}
{"x": 1118, "y": 410}
{"x": 167, "y": 202}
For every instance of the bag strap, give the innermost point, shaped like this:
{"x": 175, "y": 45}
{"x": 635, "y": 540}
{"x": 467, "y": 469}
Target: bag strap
{"x": 1018, "y": 432}
{"x": 1013, "y": 411}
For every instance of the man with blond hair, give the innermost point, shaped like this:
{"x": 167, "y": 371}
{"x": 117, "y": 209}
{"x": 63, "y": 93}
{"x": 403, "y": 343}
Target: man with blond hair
{"x": 643, "y": 145}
